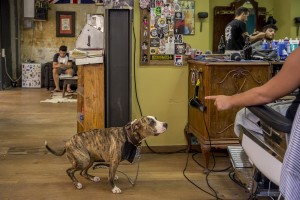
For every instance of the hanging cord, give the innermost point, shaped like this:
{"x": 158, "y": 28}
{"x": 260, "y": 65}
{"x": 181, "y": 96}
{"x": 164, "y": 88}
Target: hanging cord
{"x": 212, "y": 153}
{"x": 133, "y": 182}
{"x": 6, "y": 71}
{"x": 134, "y": 73}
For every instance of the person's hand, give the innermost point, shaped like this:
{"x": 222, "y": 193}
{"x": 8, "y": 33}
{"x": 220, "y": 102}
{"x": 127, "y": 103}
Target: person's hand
{"x": 222, "y": 102}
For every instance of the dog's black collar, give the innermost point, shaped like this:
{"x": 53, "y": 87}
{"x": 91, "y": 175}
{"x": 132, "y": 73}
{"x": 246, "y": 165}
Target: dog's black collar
{"x": 130, "y": 137}
{"x": 130, "y": 146}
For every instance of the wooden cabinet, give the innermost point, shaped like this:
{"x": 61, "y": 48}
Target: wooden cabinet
{"x": 90, "y": 98}
{"x": 211, "y": 127}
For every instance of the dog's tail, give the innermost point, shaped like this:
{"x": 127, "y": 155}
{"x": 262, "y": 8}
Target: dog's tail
{"x": 54, "y": 152}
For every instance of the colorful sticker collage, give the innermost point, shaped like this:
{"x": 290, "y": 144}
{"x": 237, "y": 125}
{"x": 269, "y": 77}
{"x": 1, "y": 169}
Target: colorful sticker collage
{"x": 163, "y": 27}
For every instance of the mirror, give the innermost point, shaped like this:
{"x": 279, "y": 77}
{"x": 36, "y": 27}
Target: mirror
{"x": 224, "y": 14}
{"x": 251, "y": 21}
{"x": 252, "y": 5}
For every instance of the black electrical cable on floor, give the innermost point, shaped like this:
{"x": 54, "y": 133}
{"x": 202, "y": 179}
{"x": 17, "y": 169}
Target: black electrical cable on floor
{"x": 215, "y": 170}
{"x": 231, "y": 175}
{"x": 186, "y": 164}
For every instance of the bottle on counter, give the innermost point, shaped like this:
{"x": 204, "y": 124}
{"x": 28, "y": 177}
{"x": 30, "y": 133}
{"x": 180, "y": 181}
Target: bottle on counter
{"x": 287, "y": 45}
{"x": 280, "y": 50}
{"x": 221, "y": 46}
{"x": 247, "y": 49}
{"x": 265, "y": 45}
{"x": 294, "y": 44}
{"x": 274, "y": 44}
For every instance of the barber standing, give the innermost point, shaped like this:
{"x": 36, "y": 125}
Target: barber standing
{"x": 236, "y": 32}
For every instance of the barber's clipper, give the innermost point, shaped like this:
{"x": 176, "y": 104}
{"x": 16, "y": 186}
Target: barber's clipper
{"x": 195, "y": 102}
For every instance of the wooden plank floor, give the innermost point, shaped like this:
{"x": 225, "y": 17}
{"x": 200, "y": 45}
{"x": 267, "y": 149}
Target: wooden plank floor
{"x": 27, "y": 171}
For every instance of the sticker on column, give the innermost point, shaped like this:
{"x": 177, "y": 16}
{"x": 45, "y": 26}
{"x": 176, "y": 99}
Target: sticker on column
{"x": 145, "y": 46}
{"x": 144, "y": 4}
{"x": 153, "y": 50}
{"x": 178, "y": 60}
{"x": 170, "y": 46}
{"x": 145, "y": 58}
{"x": 180, "y": 49}
{"x": 193, "y": 77}
{"x": 178, "y": 39}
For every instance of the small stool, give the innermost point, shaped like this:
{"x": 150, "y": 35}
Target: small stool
{"x": 68, "y": 80}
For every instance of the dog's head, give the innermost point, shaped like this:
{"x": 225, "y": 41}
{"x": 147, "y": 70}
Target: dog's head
{"x": 147, "y": 126}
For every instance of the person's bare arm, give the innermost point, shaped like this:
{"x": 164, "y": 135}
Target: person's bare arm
{"x": 257, "y": 36}
{"x": 61, "y": 65}
{"x": 286, "y": 81}
{"x": 55, "y": 65}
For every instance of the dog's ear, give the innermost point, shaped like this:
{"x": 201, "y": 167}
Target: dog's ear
{"x": 144, "y": 120}
{"x": 136, "y": 124}
{"x": 133, "y": 121}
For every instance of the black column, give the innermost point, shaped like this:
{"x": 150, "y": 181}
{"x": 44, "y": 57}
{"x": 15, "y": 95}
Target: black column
{"x": 5, "y": 43}
{"x": 118, "y": 67}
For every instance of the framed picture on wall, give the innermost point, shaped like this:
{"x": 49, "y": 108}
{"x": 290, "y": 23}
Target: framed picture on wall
{"x": 65, "y": 24}
{"x": 99, "y": 2}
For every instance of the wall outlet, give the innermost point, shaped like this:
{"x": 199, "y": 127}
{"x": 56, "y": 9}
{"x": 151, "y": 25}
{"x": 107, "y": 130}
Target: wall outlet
{"x": 3, "y": 53}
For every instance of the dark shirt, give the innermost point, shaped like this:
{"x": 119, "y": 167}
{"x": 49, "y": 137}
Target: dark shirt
{"x": 234, "y": 35}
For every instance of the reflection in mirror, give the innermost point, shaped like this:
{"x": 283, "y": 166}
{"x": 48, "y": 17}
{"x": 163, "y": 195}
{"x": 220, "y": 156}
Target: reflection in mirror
{"x": 251, "y": 21}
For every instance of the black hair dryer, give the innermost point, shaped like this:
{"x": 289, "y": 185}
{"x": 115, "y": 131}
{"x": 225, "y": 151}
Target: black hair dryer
{"x": 201, "y": 16}
{"x": 194, "y": 102}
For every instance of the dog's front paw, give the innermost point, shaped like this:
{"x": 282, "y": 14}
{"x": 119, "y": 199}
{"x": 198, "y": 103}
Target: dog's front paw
{"x": 96, "y": 179}
{"x": 78, "y": 186}
{"x": 116, "y": 190}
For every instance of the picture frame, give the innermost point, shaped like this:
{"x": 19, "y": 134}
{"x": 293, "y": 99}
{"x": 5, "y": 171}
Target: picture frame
{"x": 99, "y": 2}
{"x": 65, "y": 24}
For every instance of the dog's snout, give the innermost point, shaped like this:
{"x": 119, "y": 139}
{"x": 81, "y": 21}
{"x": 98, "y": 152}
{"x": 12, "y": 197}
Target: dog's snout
{"x": 165, "y": 125}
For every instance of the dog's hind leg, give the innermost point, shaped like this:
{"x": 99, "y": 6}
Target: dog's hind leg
{"x": 112, "y": 175}
{"x": 86, "y": 175}
{"x": 70, "y": 173}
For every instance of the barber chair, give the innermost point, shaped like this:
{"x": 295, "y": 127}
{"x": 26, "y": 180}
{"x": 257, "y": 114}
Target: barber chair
{"x": 266, "y": 150}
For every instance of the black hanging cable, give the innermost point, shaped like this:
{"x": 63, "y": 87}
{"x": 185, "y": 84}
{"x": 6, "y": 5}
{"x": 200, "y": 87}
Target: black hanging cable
{"x": 214, "y": 160}
{"x": 134, "y": 73}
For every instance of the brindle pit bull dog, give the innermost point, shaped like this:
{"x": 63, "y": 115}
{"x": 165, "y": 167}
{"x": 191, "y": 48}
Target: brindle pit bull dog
{"x": 106, "y": 145}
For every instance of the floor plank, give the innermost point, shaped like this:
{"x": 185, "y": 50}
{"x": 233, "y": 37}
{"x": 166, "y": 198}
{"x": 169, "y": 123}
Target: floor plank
{"x": 27, "y": 171}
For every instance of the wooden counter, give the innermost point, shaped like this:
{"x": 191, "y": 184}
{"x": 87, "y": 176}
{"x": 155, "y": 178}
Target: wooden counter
{"x": 90, "y": 98}
{"x": 212, "y": 128}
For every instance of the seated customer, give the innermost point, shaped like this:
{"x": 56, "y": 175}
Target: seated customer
{"x": 62, "y": 64}
{"x": 269, "y": 30}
